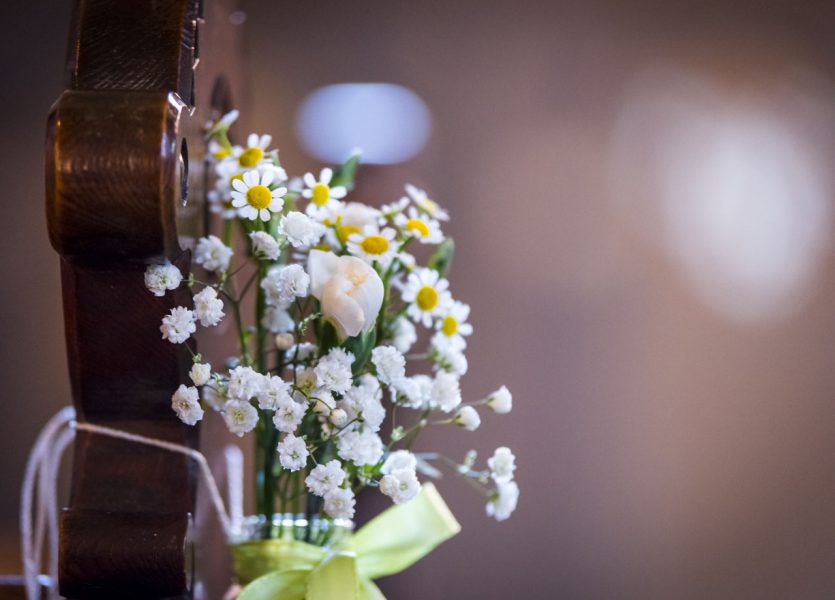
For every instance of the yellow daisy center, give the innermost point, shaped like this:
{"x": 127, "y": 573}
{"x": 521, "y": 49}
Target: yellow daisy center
{"x": 375, "y": 244}
{"x": 449, "y": 326}
{"x": 239, "y": 176}
{"x": 259, "y": 196}
{"x": 251, "y": 156}
{"x": 222, "y": 153}
{"x": 417, "y": 225}
{"x": 427, "y": 298}
{"x": 321, "y": 193}
{"x": 345, "y": 231}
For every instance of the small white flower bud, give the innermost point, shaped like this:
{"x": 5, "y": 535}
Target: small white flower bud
{"x": 200, "y": 373}
{"x": 501, "y": 401}
{"x": 467, "y": 417}
{"x": 284, "y": 341}
{"x": 339, "y": 417}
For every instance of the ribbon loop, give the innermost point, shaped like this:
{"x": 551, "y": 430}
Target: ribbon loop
{"x": 392, "y": 541}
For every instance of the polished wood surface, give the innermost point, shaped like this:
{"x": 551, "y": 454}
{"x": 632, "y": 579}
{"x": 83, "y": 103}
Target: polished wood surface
{"x": 116, "y": 180}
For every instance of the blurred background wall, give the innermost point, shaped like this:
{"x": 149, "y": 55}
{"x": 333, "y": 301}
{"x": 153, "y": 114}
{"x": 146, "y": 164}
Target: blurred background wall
{"x": 642, "y": 198}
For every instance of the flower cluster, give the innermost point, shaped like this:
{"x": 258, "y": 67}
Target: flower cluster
{"x": 326, "y": 374}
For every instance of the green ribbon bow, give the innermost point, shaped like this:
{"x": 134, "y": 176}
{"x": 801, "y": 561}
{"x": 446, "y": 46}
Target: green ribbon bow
{"x": 392, "y": 541}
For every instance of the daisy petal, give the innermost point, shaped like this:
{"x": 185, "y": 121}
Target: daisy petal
{"x": 326, "y": 175}
{"x": 309, "y": 180}
{"x": 252, "y": 140}
{"x": 338, "y": 192}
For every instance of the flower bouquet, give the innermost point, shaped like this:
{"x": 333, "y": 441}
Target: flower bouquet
{"x": 325, "y": 374}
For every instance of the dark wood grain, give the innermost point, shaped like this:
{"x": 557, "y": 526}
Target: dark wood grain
{"x": 113, "y": 187}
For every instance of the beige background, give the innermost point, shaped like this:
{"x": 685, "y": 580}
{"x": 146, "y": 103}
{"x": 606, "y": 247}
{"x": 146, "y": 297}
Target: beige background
{"x": 674, "y": 420}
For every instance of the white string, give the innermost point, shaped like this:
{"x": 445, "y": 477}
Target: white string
{"x": 41, "y": 475}
{"x": 235, "y": 486}
{"x": 37, "y": 471}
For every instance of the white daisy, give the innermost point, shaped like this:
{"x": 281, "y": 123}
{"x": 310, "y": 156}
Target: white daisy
{"x": 453, "y": 327}
{"x": 373, "y": 245}
{"x": 426, "y": 229}
{"x": 425, "y": 205}
{"x": 320, "y": 193}
{"x": 390, "y": 211}
{"x": 427, "y": 295}
{"x": 253, "y": 154}
{"x": 253, "y": 198}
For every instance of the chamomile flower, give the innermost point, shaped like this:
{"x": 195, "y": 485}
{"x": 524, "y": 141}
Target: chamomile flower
{"x": 253, "y": 198}
{"x": 425, "y": 204}
{"x": 418, "y": 225}
{"x": 427, "y": 296}
{"x": 373, "y": 245}
{"x": 453, "y": 327}
{"x": 256, "y": 148}
{"x": 320, "y": 193}
{"x": 390, "y": 211}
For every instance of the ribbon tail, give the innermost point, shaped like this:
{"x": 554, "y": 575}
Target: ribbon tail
{"x": 335, "y": 578}
{"x": 403, "y": 534}
{"x": 369, "y": 591}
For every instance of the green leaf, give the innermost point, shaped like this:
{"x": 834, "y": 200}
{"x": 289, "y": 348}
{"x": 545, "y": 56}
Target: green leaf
{"x": 361, "y": 346}
{"x": 345, "y": 173}
{"x": 441, "y": 259}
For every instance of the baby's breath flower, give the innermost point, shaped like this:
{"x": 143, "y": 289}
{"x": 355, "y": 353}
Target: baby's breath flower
{"x": 288, "y": 414}
{"x": 401, "y": 485}
{"x": 502, "y": 464}
{"x": 272, "y": 392}
{"x": 300, "y": 230}
{"x": 325, "y": 478}
{"x": 339, "y": 503}
{"x": 178, "y": 325}
{"x": 292, "y": 452}
{"x": 159, "y": 278}
{"x": 186, "y": 404}
{"x": 445, "y": 393}
{"x": 403, "y": 334}
{"x": 212, "y": 254}
{"x": 241, "y": 417}
{"x": 360, "y": 447}
{"x": 503, "y": 501}
{"x": 277, "y": 320}
{"x": 399, "y": 459}
{"x": 390, "y": 364}
{"x": 244, "y": 383}
{"x": 284, "y": 284}
{"x": 208, "y": 308}
{"x": 264, "y": 245}
{"x": 200, "y": 373}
